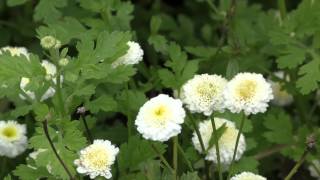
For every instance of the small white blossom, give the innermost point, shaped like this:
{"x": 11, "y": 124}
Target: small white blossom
{"x": 15, "y": 51}
{"x": 248, "y": 92}
{"x": 49, "y": 42}
{"x": 281, "y": 96}
{"x": 51, "y": 71}
{"x": 226, "y": 142}
{"x": 13, "y": 139}
{"x": 97, "y": 159}
{"x": 133, "y": 56}
{"x": 63, "y": 62}
{"x": 203, "y": 93}
{"x": 247, "y": 176}
{"x": 314, "y": 172}
{"x": 160, "y": 118}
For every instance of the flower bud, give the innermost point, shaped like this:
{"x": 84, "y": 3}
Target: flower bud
{"x": 63, "y": 62}
{"x": 48, "y": 42}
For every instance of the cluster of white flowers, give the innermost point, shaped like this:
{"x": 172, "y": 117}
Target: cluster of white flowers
{"x": 248, "y": 176}
{"x": 160, "y": 118}
{"x": 248, "y": 92}
{"x": 281, "y": 96}
{"x": 133, "y": 56}
{"x": 226, "y": 142}
{"x": 97, "y": 159}
{"x": 203, "y": 93}
{"x": 15, "y": 51}
{"x": 13, "y": 139}
{"x": 51, "y": 71}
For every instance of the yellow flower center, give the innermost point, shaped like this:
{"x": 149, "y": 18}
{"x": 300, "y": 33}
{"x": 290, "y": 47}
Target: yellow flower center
{"x": 228, "y": 137}
{"x": 10, "y": 133}
{"x": 207, "y": 91}
{"x": 247, "y": 90}
{"x": 96, "y": 158}
{"x": 160, "y": 112}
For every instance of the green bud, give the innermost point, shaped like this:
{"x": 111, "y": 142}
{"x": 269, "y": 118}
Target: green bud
{"x": 48, "y": 42}
{"x": 63, "y": 62}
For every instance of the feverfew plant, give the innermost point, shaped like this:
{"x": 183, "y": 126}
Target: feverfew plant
{"x": 114, "y": 89}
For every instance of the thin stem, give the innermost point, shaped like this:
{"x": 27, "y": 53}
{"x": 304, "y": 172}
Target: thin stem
{"x": 282, "y": 8}
{"x": 175, "y": 156}
{"x": 3, "y": 166}
{"x": 45, "y": 128}
{"x": 60, "y": 98}
{"x": 163, "y": 159}
{"x": 201, "y": 143}
{"x": 236, "y": 146}
{"x": 185, "y": 158}
{"x": 217, "y": 147}
{"x": 298, "y": 164}
{"x": 129, "y": 120}
{"x": 270, "y": 151}
{"x": 87, "y": 129}
{"x": 212, "y": 6}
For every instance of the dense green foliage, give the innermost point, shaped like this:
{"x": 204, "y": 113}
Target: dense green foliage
{"x": 179, "y": 39}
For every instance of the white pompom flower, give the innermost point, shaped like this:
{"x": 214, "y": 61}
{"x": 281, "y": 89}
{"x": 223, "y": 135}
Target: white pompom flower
{"x": 203, "y": 93}
{"x": 51, "y": 71}
{"x": 248, "y": 176}
{"x": 281, "y": 96}
{"x": 226, "y": 142}
{"x": 13, "y": 139}
{"x": 313, "y": 171}
{"x": 15, "y": 51}
{"x": 97, "y": 159}
{"x": 248, "y": 92}
{"x": 160, "y": 118}
{"x": 133, "y": 56}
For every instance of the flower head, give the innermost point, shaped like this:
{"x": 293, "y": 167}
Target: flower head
{"x": 13, "y": 139}
{"x": 63, "y": 62}
{"x": 133, "y": 56}
{"x": 51, "y": 71}
{"x": 281, "y": 96}
{"x": 160, "y": 118}
{"x": 97, "y": 159}
{"x": 226, "y": 142}
{"x": 248, "y": 92}
{"x": 203, "y": 93}
{"x": 49, "y": 42}
{"x": 15, "y": 51}
{"x": 247, "y": 176}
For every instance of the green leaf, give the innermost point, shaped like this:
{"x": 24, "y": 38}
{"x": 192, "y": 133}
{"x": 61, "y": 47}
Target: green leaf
{"x": 291, "y": 58}
{"x": 232, "y": 68}
{"x": 190, "y": 176}
{"x": 25, "y": 172}
{"x": 21, "y": 111}
{"x": 310, "y": 76}
{"x": 155, "y": 24}
{"x": 41, "y": 111}
{"x": 47, "y": 10}
{"x": 159, "y": 43}
{"x": 249, "y": 164}
{"x": 275, "y": 121}
{"x": 135, "y": 152}
{"x": 105, "y": 103}
{"x": 12, "y": 3}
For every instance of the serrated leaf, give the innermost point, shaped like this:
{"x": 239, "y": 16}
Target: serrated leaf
{"x": 48, "y": 10}
{"x": 155, "y": 24}
{"x": 25, "y": 172}
{"x": 291, "y": 58}
{"x": 310, "y": 76}
{"x": 105, "y": 103}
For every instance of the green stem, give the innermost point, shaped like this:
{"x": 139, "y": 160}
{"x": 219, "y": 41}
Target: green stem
{"x": 298, "y": 164}
{"x": 185, "y": 157}
{"x": 212, "y": 6}
{"x": 87, "y": 129}
{"x": 46, "y": 132}
{"x": 129, "y": 120}
{"x": 162, "y": 158}
{"x": 282, "y": 8}
{"x": 201, "y": 143}
{"x": 217, "y": 147}
{"x": 59, "y": 93}
{"x": 236, "y": 146}
{"x": 175, "y": 156}
{"x": 3, "y": 166}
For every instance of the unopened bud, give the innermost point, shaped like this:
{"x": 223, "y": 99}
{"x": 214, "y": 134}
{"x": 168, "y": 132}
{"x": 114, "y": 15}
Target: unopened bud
{"x": 81, "y": 110}
{"x": 48, "y": 77}
{"x": 63, "y": 62}
{"x": 48, "y": 42}
{"x": 311, "y": 141}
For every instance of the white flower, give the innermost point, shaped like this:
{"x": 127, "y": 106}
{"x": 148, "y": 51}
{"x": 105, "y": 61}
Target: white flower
{"x": 203, "y": 93}
{"x": 226, "y": 142}
{"x": 247, "y": 176}
{"x": 97, "y": 159}
{"x": 15, "y": 51}
{"x": 281, "y": 96}
{"x": 160, "y": 118}
{"x": 249, "y": 92}
{"x": 49, "y": 42}
{"x": 13, "y": 139}
{"x": 133, "y": 56}
{"x": 313, "y": 172}
{"x": 51, "y": 71}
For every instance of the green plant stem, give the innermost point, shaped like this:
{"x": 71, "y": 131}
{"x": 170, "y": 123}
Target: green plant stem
{"x": 282, "y": 8}
{"x": 175, "y": 156}
{"x": 214, "y": 130}
{"x": 45, "y": 128}
{"x": 236, "y": 146}
{"x": 162, "y": 158}
{"x": 185, "y": 158}
{"x": 59, "y": 93}
{"x": 212, "y": 6}
{"x": 270, "y": 151}
{"x": 3, "y": 166}
{"x": 87, "y": 129}
{"x": 298, "y": 164}
{"x": 129, "y": 120}
{"x": 206, "y": 166}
